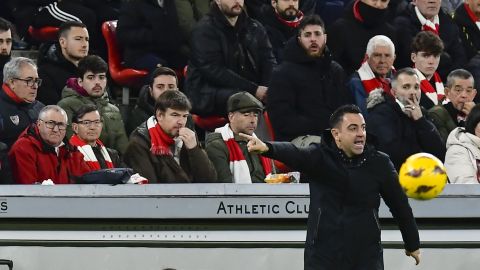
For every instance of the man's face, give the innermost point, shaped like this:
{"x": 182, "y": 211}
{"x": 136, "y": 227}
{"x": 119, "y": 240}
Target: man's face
{"x": 380, "y": 4}
{"x": 474, "y": 5}
{"x": 407, "y": 87}
{"x": 313, "y": 39}
{"x": 462, "y": 91}
{"x": 381, "y": 60}
{"x": 244, "y": 122}
{"x": 287, "y": 9}
{"x": 428, "y": 8}
{"x": 5, "y": 42}
{"x": 25, "y": 86}
{"x": 94, "y": 83}
{"x": 75, "y": 44}
{"x": 426, "y": 63}
{"x": 351, "y": 136}
{"x": 52, "y": 127}
{"x": 88, "y": 127}
{"x": 161, "y": 84}
{"x": 172, "y": 120}
{"x": 230, "y": 8}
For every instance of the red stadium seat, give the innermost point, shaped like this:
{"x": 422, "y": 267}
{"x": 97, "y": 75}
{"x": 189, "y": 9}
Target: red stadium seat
{"x": 282, "y": 168}
{"x": 44, "y": 34}
{"x": 125, "y": 77}
{"x": 209, "y": 123}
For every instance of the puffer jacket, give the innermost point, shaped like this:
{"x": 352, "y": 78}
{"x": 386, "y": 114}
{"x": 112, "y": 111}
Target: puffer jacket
{"x": 113, "y": 133}
{"x": 463, "y": 153}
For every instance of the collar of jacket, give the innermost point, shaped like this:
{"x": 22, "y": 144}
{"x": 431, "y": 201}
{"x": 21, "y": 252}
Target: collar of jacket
{"x": 70, "y": 92}
{"x": 54, "y": 55}
{"x": 295, "y": 53}
{"x": 145, "y": 100}
{"x": 222, "y": 20}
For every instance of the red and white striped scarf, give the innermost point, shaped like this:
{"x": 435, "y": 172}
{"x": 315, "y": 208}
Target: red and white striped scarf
{"x": 291, "y": 24}
{"x": 160, "y": 141}
{"x": 238, "y": 164}
{"x": 472, "y": 15}
{"x": 89, "y": 155}
{"x": 435, "y": 94}
{"x": 428, "y": 25}
{"x": 370, "y": 81}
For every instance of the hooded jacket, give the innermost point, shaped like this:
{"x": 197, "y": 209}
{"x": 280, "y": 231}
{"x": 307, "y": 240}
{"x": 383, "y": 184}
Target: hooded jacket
{"x": 113, "y": 133}
{"x": 469, "y": 31}
{"x": 304, "y": 92}
{"x": 463, "y": 155}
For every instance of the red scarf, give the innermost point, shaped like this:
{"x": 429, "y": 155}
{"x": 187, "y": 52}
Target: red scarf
{"x": 472, "y": 15}
{"x": 428, "y": 25}
{"x": 160, "y": 141}
{"x": 292, "y": 24}
{"x": 370, "y": 81}
{"x": 356, "y": 12}
{"x": 238, "y": 164}
{"x": 435, "y": 94}
{"x": 9, "y": 92}
{"x": 88, "y": 154}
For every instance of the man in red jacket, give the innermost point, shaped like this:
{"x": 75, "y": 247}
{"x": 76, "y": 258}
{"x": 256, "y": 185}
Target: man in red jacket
{"x": 41, "y": 154}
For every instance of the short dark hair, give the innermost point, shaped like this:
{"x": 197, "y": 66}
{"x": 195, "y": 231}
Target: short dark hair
{"x": 458, "y": 74}
{"x": 310, "y": 20}
{"x": 337, "y": 116}
{"x": 172, "y": 99}
{"x": 407, "y": 71}
{"x": 5, "y": 25}
{"x": 472, "y": 119}
{"x": 428, "y": 42}
{"x": 66, "y": 26}
{"x": 159, "y": 71}
{"x": 84, "y": 109}
{"x": 93, "y": 63}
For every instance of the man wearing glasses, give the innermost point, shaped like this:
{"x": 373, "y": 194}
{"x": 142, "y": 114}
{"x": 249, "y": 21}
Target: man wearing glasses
{"x": 87, "y": 126}
{"x": 41, "y": 154}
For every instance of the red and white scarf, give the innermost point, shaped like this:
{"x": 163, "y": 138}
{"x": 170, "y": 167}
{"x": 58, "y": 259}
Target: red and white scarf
{"x": 472, "y": 15}
{"x": 428, "y": 25}
{"x": 434, "y": 94}
{"x": 370, "y": 81}
{"x": 89, "y": 155}
{"x": 160, "y": 141}
{"x": 238, "y": 164}
{"x": 291, "y": 24}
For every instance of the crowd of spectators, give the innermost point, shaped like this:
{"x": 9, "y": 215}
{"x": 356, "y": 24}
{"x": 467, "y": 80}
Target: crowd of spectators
{"x": 244, "y": 60}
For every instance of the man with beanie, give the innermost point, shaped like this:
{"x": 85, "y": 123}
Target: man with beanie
{"x": 228, "y": 151}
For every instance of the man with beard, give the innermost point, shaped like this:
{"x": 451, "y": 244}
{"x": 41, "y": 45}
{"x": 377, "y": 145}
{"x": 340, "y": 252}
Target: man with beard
{"x": 163, "y": 150}
{"x": 307, "y": 87}
{"x": 60, "y": 61}
{"x": 5, "y": 44}
{"x": 89, "y": 87}
{"x": 230, "y": 53}
{"x": 256, "y": 8}
{"x": 228, "y": 151}
{"x": 281, "y": 21}
{"x": 398, "y": 123}
{"x": 350, "y": 34}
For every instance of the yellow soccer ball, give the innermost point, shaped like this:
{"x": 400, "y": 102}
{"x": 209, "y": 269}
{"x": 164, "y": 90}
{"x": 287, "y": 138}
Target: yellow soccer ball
{"x": 422, "y": 176}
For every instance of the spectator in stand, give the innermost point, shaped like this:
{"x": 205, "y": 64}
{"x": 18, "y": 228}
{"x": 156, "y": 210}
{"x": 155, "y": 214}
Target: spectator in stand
{"x": 5, "y": 44}
{"x": 306, "y": 87}
{"x": 398, "y": 123}
{"x": 89, "y": 87}
{"x": 18, "y": 105}
{"x": 61, "y": 60}
{"x": 426, "y": 51}
{"x": 163, "y": 150}
{"x": 460, "y": 92}
{"x": 375, "y": 71}
{"x": 40, "y": 153}
{"x": 228, "y": 151}
{"x": 230, "y": 53}
{"x": 463, "y": 151}
{"x": 281, "y": 21}
{"x": 87, "y": 126}
{"x": 467, "y": 17}
{"x": 161, "y": 80}
{"x": 350, "y": 34}
{"x": 256, "y": 8}
{"x": 426, "y": 15}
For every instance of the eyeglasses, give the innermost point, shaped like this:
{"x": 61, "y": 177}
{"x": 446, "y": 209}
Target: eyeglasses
{"x": 31, "y": 82}
{"x": 89, "y": 123}
{"x": 52, "y": 124}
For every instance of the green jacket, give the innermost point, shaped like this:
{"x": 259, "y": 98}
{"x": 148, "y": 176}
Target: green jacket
{"x": 442, "y": 121}
{"x": 217, "y": 152}
{"x": 113, "y": 133}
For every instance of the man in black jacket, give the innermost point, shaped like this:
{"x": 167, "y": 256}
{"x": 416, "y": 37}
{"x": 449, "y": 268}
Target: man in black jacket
{"x": 347, "y": 178}
{"x": 61, "y": 60}
{"x": 230, "y": 53}
{"x": 5, "y": 44}
{"x": 308, "y": 86}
